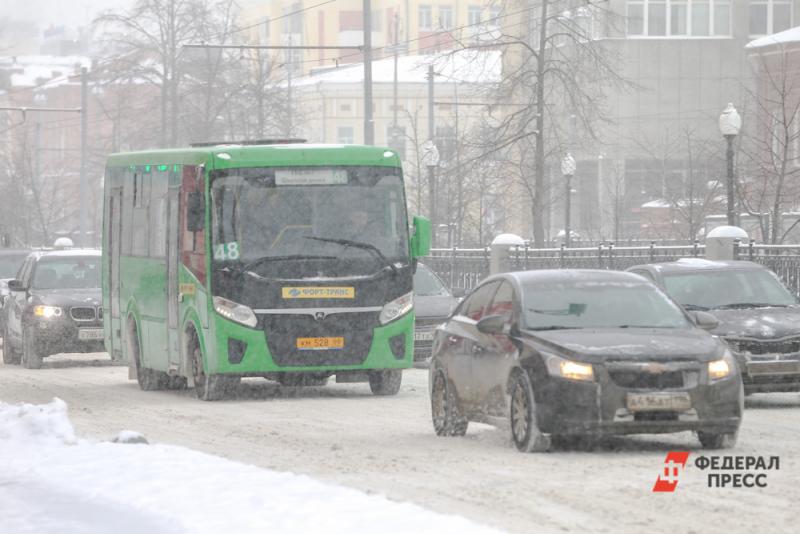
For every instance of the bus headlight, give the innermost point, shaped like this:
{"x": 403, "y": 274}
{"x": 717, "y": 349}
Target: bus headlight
{"x": 47, "y": 312}
{"x": 235, "y": 312}
{"x": 722, "y": 368}
{"x": 396, "y": 308}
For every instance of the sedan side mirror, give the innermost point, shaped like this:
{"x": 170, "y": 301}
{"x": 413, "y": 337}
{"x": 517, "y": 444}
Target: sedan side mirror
{"x": 16, "y": 285}
{"x": 492, "y": 324}
{"x": 705, "y": 320}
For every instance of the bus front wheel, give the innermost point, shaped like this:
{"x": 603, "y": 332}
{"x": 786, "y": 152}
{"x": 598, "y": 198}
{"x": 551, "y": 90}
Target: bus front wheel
{"x": 208, "y": 387}
{"x": 386, "y": 381}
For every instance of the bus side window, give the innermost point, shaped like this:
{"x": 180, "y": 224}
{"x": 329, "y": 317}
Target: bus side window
{"x": 193, "y": 243}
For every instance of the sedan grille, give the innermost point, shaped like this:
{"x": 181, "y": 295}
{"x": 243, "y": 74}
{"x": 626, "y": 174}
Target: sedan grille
{"x": 644, "y": 380}
{"x": 82, "y": 313}
{"x": 753, "y": 346}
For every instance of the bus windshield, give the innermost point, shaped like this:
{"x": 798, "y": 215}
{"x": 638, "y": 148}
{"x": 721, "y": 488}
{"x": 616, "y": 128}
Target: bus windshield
{"x": 263, "y": 218}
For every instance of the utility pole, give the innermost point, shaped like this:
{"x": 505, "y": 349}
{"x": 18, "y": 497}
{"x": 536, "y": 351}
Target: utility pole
{"x": 369, "y": 126}
{"x": 432, "y": 139}
{"x": 83, "y": 205}
{"x": 289, "y": 58}
{"x": 395, "y": 133}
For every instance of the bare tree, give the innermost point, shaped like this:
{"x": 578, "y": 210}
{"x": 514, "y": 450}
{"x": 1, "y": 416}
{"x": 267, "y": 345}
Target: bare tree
{"x": 769, "y": 155}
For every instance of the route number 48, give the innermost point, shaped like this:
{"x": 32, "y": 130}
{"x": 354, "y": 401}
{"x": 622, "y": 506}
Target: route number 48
{"x": 227, "y": 251}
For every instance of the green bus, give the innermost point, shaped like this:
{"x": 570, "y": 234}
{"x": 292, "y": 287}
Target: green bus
{"x": 288, "y": 261}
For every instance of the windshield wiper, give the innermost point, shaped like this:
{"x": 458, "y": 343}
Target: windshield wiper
{"x": 694, "y": 307}
{"x": 554, "y": 327}
{"x": 745, "y": 305}
{"x": 265, "y": 259}
{"x": 358, "y": 244}
{"x": 641, "y": 326}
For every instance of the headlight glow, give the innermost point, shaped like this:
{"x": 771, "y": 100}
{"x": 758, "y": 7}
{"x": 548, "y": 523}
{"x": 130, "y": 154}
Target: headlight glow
{"x": 47, "y": 311}
{"x": 396, "y": 308}
{"x": 569, "y": 369}
{"x": 235, "y": 312}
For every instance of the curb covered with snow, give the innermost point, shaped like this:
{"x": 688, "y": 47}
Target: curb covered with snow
{"x": 52, "y": 482}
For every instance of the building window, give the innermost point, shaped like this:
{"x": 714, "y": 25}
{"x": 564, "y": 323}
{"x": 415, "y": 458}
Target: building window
{"x": 770, "y": 16}
{"x": 474, "y": 15}
{"x": 679, "y": 18}
{"x": 425, "y": 18}
{"x": 445, "y": 17}
{"x": 344, "y": 135}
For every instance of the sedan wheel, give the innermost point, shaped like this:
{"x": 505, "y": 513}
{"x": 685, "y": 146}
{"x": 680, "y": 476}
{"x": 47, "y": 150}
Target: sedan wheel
{"x": 31, "y": 358}
{"x": 524, "y": 428}
{"x": 447, "y": 418}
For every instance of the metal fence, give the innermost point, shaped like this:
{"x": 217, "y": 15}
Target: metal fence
{"x": 466, "y": 267}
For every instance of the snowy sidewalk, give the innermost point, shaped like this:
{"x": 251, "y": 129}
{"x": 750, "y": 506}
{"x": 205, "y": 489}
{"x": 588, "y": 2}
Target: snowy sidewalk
{"x": 51, "y": 482}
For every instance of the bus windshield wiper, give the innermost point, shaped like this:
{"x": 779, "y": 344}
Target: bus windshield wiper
{"x": 240, "y": 269}
{"x": 357, "y": 244}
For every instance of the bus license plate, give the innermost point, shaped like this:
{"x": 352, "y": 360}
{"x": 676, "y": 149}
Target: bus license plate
{"x": 90, "y": 334}
{"x": 320, "y": 343}
{"x": 667, "y": 402}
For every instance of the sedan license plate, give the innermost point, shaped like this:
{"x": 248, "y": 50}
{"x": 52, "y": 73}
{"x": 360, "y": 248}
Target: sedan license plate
{"x": 90, "y": 334}
{"x": 423, "y": 336}
{"x": 320, "y": 343}
{"x": 654, "y": 402}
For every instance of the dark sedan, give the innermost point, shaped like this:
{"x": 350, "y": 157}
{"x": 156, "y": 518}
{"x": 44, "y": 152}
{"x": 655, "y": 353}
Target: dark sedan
{"x": 54, "y": 306}
{"x": 575, "y": 353}
{"x": 758, "y": 317}
{"x": 433, "y": 303}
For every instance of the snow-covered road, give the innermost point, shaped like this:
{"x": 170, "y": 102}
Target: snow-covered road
{"x": 341, "y": 433}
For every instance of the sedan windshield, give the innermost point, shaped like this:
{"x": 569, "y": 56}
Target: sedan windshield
{"x": 67, "y": 273}
{"x": 728, "y": 289}
{"x": 427, "y": 284}
{"x": 265, "y": 218}
{"x": 599, "y": 305}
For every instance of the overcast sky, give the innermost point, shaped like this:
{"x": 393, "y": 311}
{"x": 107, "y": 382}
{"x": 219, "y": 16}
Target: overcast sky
{"x": 56, "y": 12}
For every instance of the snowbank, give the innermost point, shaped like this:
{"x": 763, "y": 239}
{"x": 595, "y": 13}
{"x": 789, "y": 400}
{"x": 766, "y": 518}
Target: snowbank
{"x": 52, "y": 482}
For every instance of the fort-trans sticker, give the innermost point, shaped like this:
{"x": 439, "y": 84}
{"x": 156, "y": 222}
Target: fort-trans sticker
{"x": 318, "y": 292}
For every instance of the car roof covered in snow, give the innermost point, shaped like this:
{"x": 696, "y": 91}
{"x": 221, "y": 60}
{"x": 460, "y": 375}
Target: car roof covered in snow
{"x": 66, "y": 253}
{"x": 686, "y": 265}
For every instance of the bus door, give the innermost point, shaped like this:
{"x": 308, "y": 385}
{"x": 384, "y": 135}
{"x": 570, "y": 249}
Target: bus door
{"x": 173, "y": 267}
{"x": 114, "y": 238}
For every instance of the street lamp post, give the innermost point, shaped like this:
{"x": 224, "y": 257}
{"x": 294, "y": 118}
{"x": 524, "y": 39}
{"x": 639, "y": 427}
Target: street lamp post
{"x": 430, "y": 157}
{"x": 568, "y": 170}
{"x": 729, "y": 125}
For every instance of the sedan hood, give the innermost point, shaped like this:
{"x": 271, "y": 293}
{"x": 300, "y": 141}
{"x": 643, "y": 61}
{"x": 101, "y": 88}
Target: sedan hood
{"x": 68, "y": 297}
{"x": 651, "y": 344}
{"x": 433, "y": 306}
{"x": 759, "y": 323}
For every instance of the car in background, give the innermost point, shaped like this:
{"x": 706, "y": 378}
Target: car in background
{"x": 758, "y": 317}
{"x": 54, "y": 306}
{"x": 10, "y": 261}
{"x": 433, "y": 303}
{"x": 579, "y": 354}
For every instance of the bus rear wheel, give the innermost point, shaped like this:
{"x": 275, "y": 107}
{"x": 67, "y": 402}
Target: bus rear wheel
{"x": 208, "y": 387}
{"x": 385, "y": 382}
{"x": 148, "y": 379}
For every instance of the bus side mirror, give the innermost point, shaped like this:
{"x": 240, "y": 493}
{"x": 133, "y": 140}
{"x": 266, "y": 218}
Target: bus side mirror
{"x": 195, "y": 211}
{"x": 421, "y": 240}
{"x": 16, "y": 285}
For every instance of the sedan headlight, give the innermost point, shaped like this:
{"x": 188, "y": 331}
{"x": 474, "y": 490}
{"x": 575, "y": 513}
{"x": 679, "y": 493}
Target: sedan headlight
{"x": 722, "y": 368}
{"x": 569, "y": 369}
{"x": 47, "y": 311}
{"x": 396, "y": 308}
{"x": 235, "y": 312}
